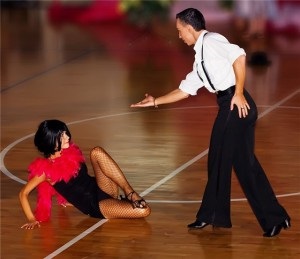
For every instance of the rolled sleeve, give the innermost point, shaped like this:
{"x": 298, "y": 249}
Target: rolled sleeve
{"x": 235, "y": 52}
{"x": 191, "y": 84}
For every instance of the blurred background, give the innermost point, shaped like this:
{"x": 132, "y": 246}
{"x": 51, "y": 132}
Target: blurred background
{"x": 38, "y": 24}
{"x": 277, "y": 16}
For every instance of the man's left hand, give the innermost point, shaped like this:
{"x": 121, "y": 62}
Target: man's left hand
{"x": 241, "y": 103}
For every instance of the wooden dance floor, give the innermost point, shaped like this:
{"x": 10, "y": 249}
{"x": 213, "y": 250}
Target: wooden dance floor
{"x": 87, "y": 76}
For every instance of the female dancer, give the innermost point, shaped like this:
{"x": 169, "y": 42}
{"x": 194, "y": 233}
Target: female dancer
{"x": 63, "y": 172}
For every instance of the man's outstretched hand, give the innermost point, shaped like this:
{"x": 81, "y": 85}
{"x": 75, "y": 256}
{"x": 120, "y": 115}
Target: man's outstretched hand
{"x": 146, "y": 102}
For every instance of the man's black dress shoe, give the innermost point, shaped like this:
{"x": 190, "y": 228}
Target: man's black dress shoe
{"x": 197, "y": 224}
{"x": 274, "y": 231}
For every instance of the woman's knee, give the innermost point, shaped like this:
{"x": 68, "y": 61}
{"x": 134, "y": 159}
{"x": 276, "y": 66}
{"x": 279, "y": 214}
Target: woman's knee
{"x": 96, "y": 151}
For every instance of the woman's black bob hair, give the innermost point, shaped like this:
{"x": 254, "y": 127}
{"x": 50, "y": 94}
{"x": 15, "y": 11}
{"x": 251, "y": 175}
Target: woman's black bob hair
{"x": 47, "y": 139}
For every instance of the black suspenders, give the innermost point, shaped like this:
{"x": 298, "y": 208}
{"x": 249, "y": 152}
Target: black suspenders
{"x": 203, "y": 67}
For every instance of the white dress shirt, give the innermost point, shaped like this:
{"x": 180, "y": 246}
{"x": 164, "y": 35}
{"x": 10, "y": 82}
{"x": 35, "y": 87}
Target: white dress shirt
{"x": 219, "y": 56}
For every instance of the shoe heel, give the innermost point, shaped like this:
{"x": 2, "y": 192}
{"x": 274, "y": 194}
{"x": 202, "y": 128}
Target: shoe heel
{"x": 286, "y": 224}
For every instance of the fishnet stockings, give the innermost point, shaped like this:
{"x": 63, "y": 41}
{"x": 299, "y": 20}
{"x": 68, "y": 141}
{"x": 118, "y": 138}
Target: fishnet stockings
{"x": 110, "y": 178}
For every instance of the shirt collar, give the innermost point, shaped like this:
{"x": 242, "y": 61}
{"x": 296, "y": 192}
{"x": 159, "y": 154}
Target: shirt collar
{"x": 199, "y": 41}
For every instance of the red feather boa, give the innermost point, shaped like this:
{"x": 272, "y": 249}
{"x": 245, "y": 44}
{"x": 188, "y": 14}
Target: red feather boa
{"x": 61, "y": 168}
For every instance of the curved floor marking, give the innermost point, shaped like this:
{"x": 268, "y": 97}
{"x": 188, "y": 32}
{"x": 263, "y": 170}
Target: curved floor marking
{"x": 4, "y": 152}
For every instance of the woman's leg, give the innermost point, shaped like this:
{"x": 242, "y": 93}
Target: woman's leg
{"x": 110, "y": 177}
{"x": 113, "y": 208}
{"x": 104, "y": 168}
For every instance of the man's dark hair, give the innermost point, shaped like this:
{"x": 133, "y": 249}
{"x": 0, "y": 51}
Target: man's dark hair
{"x": 192, "y": 17}
{"x": 47, "y": 139}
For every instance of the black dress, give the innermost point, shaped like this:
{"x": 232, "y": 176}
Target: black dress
{"x": 83, "y": 192}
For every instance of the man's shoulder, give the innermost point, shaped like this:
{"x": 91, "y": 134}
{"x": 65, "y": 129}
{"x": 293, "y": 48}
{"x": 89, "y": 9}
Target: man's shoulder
{"x": 215, "y": 36}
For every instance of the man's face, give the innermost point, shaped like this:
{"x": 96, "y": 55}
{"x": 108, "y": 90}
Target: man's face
{"x": 185, "y": 32}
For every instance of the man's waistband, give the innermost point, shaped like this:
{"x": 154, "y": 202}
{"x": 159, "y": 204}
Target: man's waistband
{"x": 228, "y": 91}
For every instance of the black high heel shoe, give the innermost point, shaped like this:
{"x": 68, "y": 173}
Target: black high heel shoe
{"x": 274, "y": 231}
{"x": 286, "y": 223}
{"x": 141, "y": 203}
{"x": 197, "y": 225}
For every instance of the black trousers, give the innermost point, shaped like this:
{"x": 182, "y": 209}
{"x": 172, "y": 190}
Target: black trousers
{"x": 232, "y": 146}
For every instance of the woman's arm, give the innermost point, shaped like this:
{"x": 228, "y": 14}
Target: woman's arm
{"x": 171, "y": 97}
{"x": 23, "y": 196}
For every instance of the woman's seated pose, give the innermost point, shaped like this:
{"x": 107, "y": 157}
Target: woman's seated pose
{"x": 63, "y": 172}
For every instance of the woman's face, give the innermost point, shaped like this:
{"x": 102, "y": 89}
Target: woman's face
{"x": 64, "y": 140}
